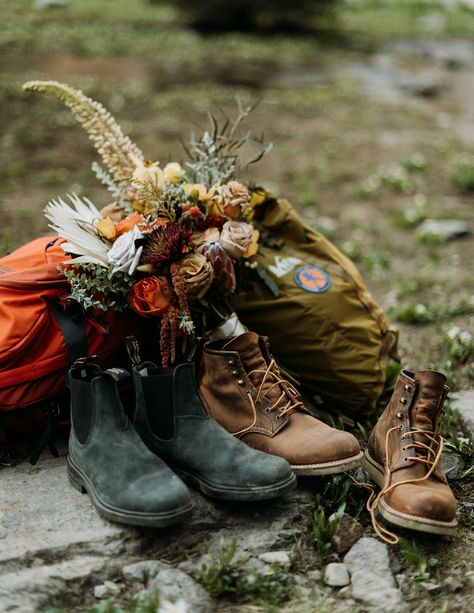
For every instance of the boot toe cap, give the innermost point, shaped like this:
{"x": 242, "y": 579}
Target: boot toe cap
{"x": 156, "y": 494}
{"x": 432, "y": 502}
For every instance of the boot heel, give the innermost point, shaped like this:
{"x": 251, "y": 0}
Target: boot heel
{"x": 75, "y": 481}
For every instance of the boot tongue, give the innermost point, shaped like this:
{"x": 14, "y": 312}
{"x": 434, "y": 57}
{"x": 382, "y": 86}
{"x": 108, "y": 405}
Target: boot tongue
{"x": 247, "y": 345}
{"x": 424, "y": 412}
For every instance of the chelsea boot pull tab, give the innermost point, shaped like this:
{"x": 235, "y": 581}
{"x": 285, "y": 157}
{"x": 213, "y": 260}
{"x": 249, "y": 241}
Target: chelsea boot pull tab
{"x": 133, "y": 349}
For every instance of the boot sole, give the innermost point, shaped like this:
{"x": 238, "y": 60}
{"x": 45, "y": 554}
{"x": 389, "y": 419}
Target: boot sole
{"x": 328, "y": 468}
{"x": 223, "y": 492}
{"x": 152, "y": 520}
{"x": 397, "y": 518}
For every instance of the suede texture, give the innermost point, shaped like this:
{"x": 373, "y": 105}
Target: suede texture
{"x": 198, "y": 444}
{"x": 125, "y": 475}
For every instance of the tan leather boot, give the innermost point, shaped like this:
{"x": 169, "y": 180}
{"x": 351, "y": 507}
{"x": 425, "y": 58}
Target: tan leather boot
{"x": 403, "y": 458}
{"x": 243, "y": 390}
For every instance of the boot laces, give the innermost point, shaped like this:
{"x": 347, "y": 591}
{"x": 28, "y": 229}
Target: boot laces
{"x": 288, "y": 391}
{"x": 427, "y": 456}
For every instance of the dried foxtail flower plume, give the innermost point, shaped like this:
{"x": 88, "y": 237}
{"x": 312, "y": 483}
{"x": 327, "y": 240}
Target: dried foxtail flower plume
{"x": 119, "y": 154}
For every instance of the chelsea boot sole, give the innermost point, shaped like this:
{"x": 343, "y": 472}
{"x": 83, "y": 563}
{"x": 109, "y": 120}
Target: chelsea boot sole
{"x": 397, "y": 518}
{"x": 229, "y": 492}
{"x": 135, "y": 518}
{"x": 328, "y": 468}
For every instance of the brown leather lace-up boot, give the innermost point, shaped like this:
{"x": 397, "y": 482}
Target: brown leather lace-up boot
{"x": 403, "y": 458}
{"x": 243, "y": 390}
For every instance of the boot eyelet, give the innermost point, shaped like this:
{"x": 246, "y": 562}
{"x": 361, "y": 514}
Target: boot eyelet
{"x": 257, "y": 402}
{"x": 235, "y": 373}
{"x": 407, "y": 388}
{"x": 403, "y": 400}
{"x": 405, "y": 459}
{"x": 278, "y": 417}
{"x": 267, "y": 410}
{"x": 404, "y": 448}
{"x": 400, "y": 415}
{"x": 241, "y": 382}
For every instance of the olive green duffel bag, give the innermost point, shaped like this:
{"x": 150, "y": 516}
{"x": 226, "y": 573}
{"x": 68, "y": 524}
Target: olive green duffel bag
{"x": 324, "y": 327}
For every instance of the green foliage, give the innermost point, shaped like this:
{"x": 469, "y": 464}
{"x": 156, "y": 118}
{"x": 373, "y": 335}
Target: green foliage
{"x": 95, "y": 286}
{"x": 419, "y": 313}
{"x": 420, "y": 563}
{"x": 216, "y": 155}
{"x": 415, "y": 162}
{"x": 324, "y": 527}
{"x": 227, "y": 577}
{"x": 338, "y": 490}
{"x": 133, "y": 605}
{"x": 463, "y": 178}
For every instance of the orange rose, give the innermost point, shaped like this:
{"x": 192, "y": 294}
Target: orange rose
{"x": 128, "y": 224}
{"x": 148, "y": 297}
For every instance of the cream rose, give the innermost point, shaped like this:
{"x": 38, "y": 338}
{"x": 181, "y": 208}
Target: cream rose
{"x": 124, "y": 255}
{"x": 173, "y": 172}
{"x": 236, "y": 237}
{"x": 198, "y": 274}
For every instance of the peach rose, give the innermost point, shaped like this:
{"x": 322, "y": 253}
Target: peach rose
{"x": 198, "y": 274}
{"x": 236, "y": 237}
{"x": 148, "y": 297}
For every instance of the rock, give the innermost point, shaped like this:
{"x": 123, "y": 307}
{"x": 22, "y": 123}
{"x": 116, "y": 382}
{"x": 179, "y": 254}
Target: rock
{"x": 425, "y": 86}
{"x": 142, "y": 572}
{"x": 429, "y": 586}
{"x": 112, "y": 588}
{"x": 373, "y": 584}
{"x": 35, "y": 589}
{"x": 48, "y": 4}
{"x": 444, "y": 229}
{"x": 336, "y": 575}
{"x": 347, "y": 534}
{"x": 453, "y": 464}
{"x": 282, "y": 558}
{"x": 345, "y": 593}
{"x": 57, "y": 522}
{"x": 173, "y": 584}
{"x": 100, "y": 592}
{"x": 314, "y": 575}
{"x": 464, "y": 402}
{"x": 452, "y": 584}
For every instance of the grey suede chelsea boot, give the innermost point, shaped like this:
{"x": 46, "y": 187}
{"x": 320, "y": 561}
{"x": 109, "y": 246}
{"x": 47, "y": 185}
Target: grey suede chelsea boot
{"x": 107, "y": 459}
{"x": 170, "y": 418}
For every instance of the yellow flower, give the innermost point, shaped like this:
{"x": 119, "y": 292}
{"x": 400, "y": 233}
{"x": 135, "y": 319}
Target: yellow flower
{"x": 105, "y": 228}
{"x": 253, "y": 247}
{"x": 149, "y": 172}
{"x": 198, "y": 191}
{"x": 173, "y": 172}
{"x": 257, "y": 198}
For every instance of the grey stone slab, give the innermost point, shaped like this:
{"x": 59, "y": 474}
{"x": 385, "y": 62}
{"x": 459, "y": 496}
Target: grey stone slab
{"x": 42, "y": 515}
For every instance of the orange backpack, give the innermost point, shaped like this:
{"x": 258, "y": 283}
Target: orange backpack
{"x": 43, "y": 331}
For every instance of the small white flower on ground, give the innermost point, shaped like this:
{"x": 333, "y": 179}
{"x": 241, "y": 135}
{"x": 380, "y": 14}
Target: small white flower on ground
{"x": 180, "y": 606}
{"x": 124, "y": 255}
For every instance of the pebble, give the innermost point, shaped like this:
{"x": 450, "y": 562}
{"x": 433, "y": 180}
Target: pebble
{"x": 345, "y": 593}
{"x": 282, "y": 558}
{"x": 347, "y": 534}
{"x": 336, "y": 575}
{"x": 101, "y": 592}
{"x": 447, "y": 229}
{"x": 112, "y": 588}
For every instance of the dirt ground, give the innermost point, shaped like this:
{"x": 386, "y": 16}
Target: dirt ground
{"x": 369, "y": 138}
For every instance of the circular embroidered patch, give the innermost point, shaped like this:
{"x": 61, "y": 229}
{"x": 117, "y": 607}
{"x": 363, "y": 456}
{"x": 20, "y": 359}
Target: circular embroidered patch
{"x": 312, "y": 279}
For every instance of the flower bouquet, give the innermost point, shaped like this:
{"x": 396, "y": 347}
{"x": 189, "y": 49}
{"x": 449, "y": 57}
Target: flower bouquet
{"x": 169, "y": 244}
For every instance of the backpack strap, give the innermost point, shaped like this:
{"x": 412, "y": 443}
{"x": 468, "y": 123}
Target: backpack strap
{"x": 72, "y": 325}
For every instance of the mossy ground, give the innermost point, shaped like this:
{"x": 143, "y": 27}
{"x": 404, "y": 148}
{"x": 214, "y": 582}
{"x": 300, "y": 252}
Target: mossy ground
{"x": 159, "y": 78}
